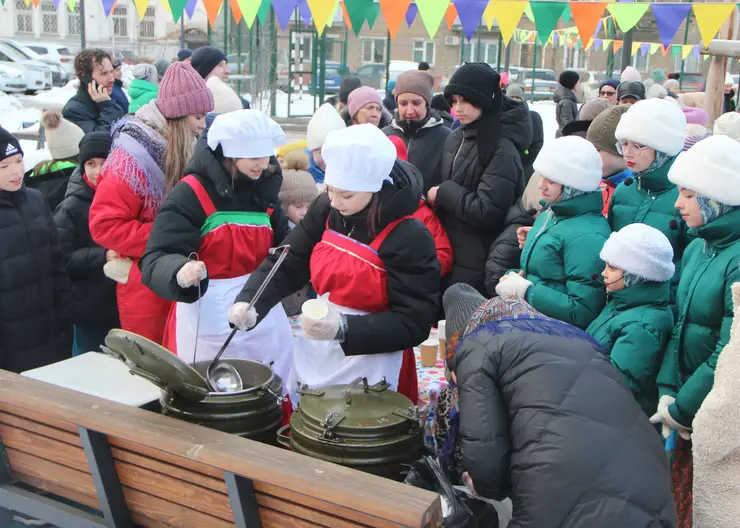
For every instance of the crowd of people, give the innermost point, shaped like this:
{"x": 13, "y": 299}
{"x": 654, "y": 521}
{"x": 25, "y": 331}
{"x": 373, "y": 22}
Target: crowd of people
{"x": 586, "y": 280}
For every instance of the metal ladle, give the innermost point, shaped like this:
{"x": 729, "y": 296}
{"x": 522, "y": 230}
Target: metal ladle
{"x": 221, "y": 376}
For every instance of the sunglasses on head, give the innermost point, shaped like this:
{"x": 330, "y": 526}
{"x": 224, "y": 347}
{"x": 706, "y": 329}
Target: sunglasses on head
{"x": 607, "y": 93}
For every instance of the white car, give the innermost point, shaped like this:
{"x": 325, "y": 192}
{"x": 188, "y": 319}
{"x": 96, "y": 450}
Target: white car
{"x": 12, "y": 80}
{"x": 38, "y": 74}
{"x": 57, "y": 52}
{"x": 59, "y": 75}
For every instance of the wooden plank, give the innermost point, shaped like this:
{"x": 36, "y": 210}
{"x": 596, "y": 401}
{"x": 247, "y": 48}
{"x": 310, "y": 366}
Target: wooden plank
{"x": 44, "y": 447}
{"x": 40, "y": 428}
{"x": 381, "y": 498}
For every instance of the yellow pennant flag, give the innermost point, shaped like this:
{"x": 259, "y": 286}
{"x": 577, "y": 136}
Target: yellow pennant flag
{"x": 654, "y": 48}
{"x": 249, "y": 10}
{"x": 528, "y": 11}
{"x": 686, "y": 51}
{"x": 333, "y": 17}
{"x": 141, "y": 6}
{"x": 322, "y": 11}
{"x": 636, "y": 47}
{"x": 165, "y": 3}
{"x": 27, "y": 2}
{"x": 71, "y": 5}
{"x": 606, "y": 44}
{"x": 710, "y": 17}
{"x": 507, "y": 13}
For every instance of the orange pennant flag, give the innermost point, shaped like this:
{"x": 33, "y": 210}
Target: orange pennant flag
{"x": 665, "y": 50}
{"x": 213, "y": 7}
{"x": 586, "y": 15}
{"x": 236, "y": 11}
{"x": 617, "y": 45}
{"x": 347, "y": 20}
{"x": 394, "y": 12}
{"x": 451, "y": 15}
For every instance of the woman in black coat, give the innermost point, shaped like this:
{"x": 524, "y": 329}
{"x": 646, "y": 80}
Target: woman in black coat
{"x": 546, "y": 420}
{"x": 505, "y": 252}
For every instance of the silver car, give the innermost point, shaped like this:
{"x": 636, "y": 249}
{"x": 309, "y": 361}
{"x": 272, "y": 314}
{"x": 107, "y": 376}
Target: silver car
{"x": 38, "y": 74}
{"x": 12, "y": 80}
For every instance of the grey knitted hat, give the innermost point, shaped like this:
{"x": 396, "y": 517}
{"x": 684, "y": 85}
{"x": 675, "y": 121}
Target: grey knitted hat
{"x": 460, "y": 303}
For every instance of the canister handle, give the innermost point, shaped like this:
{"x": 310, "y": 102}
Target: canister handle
{"x": 282, "y": 438}
{"x": 365, "y": 389}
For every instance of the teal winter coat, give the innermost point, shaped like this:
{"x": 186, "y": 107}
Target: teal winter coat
{"x": 141, "y": 92}
{"x": 705, "y": 311}
{"x": 560, "y": 257}
{"x": 634, "y": 328}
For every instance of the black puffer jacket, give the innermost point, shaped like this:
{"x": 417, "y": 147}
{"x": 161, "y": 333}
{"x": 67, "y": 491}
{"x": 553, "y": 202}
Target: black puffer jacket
{"x": 89, "y": 115}
{"x": 505, "y": 253}
{"x": 408, "y": 254}
{"x": 566, "y": 107}
{"x": 538, "y": 140}
{"x": 51, "y": 184}
{"x": 94, "y": 292}
{"x": 385, "y": 119}
{"x": 547, "y": 420}
{"x": 425, "y": 142}
{"x": 472, "y": 201}
{"x": 34, "y": 290}
{"x": 177, "y": 228}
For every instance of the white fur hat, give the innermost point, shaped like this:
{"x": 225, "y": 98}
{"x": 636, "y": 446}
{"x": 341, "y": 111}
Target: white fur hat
{"x": 728, "y": 125}
{"x": 224, "y": 97}
{"x": 656, "y": 91}
{"x": 710, "y": 168}
{"x": 657, "y": 123}
{"x": 325, "y": 120}
{"x": 571, "y": 161}
{"x": 641, "y": 250}
{"x": 62, "y": 137}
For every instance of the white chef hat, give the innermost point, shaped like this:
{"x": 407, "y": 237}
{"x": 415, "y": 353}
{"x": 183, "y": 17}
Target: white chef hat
{"x": 245, "y": 134}
{"x": 358, "y": 159}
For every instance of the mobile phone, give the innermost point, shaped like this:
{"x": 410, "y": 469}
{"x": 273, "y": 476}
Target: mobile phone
{"x": 86, "y": 80}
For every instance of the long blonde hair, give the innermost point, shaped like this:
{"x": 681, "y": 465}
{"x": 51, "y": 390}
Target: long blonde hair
{"x": 180, "y": 148}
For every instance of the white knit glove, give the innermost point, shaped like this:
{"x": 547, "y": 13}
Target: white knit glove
{"x": 668, "y": 423}
{"x": 513, "y": 285}
{"x": 191, "y": 274}
{"x": 331, "y": 327}
{"x": 118, "y": 269}
{"x": 243, "y": 316}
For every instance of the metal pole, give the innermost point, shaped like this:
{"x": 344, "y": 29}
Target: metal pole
{"x": 239, "y": 54}
{"x": 387, "y": 61}
{"x": 610, "y": 53}
{"x": 627, "y": 49}
{"x": 685, "y": 41}
{"x": 534, "y": 68}
{"x": 344, "y": 52}
{"x": 82, "y": 25}
{"x": 226, "y": 27}
{"x": 322, "y": 68}
{"x": 273, "y": 63}
{"x": 315, "y": 68}
{"x": 182, "y": 30}
{"x": 508, "y": 57}
{"x": 499, "y": 50}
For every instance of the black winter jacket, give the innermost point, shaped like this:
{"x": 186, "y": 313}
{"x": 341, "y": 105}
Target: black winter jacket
{"x": 472, "y": 201}
{"x": 52, "y": 185}
{"x": 547, "y": 420}
{"x": 89, "y": 115}
{"x": 177, "y": 228}
{"x": 34, "y": 290}
{"x": 446, "y": 117}
{"x": 425, "y": 144}
{"x": 538, "y": 140}
{"x": 566, "y": 107}
{"x": 408, "y": 254}
{"x": 94, "y": 292}
{"x": 504, "y": 254}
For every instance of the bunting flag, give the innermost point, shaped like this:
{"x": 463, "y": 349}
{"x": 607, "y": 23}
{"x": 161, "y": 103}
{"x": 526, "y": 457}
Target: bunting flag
{"x": 451, "y": 16}
{"x": 470, "y": 12}
{"x": 71, "y": 5}
{"x": 686, "y": 51}
{"x": 617, "y": 45}
{"x": 605, "y": 44}
{"x": 249, "y": 10}
{"x": 676, "y": 51}
{"x": 432, "y": 12}
{"x": 334, "y": 14}
{"x": 37, "y": 2}
{"x": 305, "y": 12}
{"x": 357, "y": 11}
{"x": 507, "y": 13}
{"x": 528, "y": 11}
{"x": 668, "y": 18}
{"x": 627, "y": 15}
{"x": 166, "y": 5}
{"x": 140, "y": 6}
{"x": 236, "y": 11}
{"x": 176, "y": 8}
{"x": 644, "y": 48}
{"x": 27, "y": 2}
{"x": 345, "y": 15}
{"x": 654, "y": 48}
{"x": 665, "y": 49}
{"x": 108, "y": 6}
{"x": 372, "y": 14}
{"x": 394, "y": 12}
{"x": 567, "y": 14}
{"x": 587, "y": 17}
{"x": 710, "y": 17}
{"x": 411, "y": 13}
{"x": 263, "y": 11}
{"x": 635, "y": 47}
{"x": 190, "y": 6}
{"x": 283, "y": 10}
{"x": 546, "y": 16}
{"x": 322, "y": 11}
{"x": 212, "y": 9}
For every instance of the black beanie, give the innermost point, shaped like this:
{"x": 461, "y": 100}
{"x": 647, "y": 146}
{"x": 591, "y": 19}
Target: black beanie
{"x": 206, "y": 58}
{"x": 569, "y": 79}
{"x": 349, "y": 85}
{"x": 439, "y": 102}
{"x": 94, "y": 145}
{"x": 9, "y": 145}
{"x": 184, "y": 53}
{"x": 478, "y": 83}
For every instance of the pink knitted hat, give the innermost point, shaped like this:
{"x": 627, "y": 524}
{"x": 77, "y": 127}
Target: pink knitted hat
{"x": 183, "y": 92}
{"x": 695, "y": 116}
{"x": 360, "y": 97}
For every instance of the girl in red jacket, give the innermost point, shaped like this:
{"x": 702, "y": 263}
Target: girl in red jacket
{"x": 150, "y": 151}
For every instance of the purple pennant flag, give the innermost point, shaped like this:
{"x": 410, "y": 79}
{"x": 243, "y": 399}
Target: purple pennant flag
{"x": 598, "y": 27}
{"x": 107, "y": 6}
{"x": 305, "y": 12}
{"x": 470, "y": 13}
{"x": 695, "y": 52}
{"x": 190, "y": 6}
{"x": 555, "y": 39}
{"x": 644, "y": 48}
{"x": 668, "y": 18}
{"x": 411, "y": 14}
{"x": 596, "y": 44}
{"x": 283, "y": 11}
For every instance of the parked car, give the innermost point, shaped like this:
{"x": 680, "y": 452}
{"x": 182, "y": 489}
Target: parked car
{"x": 57, "y": 52}
{"x": 545, "y": 83}
{"x": 12, "y": 80}
{"x": 58, "y": 73}
{"x": 373, "y": 75}
{"x": 692, "y": 82}
{"x": 37, "y": 73}
{"x": 333, "y": 76}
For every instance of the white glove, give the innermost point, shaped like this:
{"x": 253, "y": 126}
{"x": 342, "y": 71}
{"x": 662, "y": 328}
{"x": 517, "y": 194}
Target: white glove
{"x": 331, "y": 327}
{"x": 118, "y": 269}
{"x": 514, "y": 286}
{"x": 191, "y": 274}
{"x": 243, "y": 316}
{"x": 668, "y": 423}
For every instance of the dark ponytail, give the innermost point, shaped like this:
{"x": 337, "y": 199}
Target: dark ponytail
{"x": 373, "y": 215}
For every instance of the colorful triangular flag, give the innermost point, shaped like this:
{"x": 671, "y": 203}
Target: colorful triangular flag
{"x": 546, "y": 16}
{"x": 432, "y": 12}
{"x": 470, "y": 12}
{"x": 587, "y": 16}
{"x": 508, "y": 13}
{"x": 323, "y": 13}
{"x": 627, "y": 14}
{"x": 411, "y": 13}
{"x": 710, "y": 17}
{"x": 394, "y": 12}
{"x": 451, "y": 16}
{"x": 668, "y": 18}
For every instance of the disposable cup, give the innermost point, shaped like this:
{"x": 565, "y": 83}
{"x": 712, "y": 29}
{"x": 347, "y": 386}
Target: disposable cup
{"x": 429, "y": 352}
{"x": 315, "y": 309}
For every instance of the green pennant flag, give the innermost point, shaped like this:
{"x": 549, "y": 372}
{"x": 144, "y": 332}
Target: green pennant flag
{"x": 528, "y": 12}
{"x": 676, "y": 50}
{"x": 264, "y": 10}
{"x": 372, "y": 14}
{"x": 176, "y": 6}
{"x": 358, "y": 11}
{"x": 627, "y": 15}
{"x": 567, "y": 14}
{"x": 546, "y": 16}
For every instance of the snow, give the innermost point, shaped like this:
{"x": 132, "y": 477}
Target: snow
{"x": 546, "y": 109}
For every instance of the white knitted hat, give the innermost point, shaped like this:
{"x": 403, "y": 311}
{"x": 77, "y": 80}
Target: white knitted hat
{"x": 728, "y": 125}
{"x": 657, "y": 123}
{"x": 358, "y": 159}
{"x": 224, "y": 97}
{"x": 710, "y": 168}
{"x": 641, "y": 250}
{"x": 630, "y": 74}
{"x": 656, "y": 91}
{"x": 325, "y": 120}
{"x": 62, "y": 137}
{"x": 571, "y": 161}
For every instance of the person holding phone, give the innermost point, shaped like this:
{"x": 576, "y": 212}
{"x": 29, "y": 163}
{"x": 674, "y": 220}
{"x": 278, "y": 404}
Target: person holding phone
{"x": 92, "y": 108}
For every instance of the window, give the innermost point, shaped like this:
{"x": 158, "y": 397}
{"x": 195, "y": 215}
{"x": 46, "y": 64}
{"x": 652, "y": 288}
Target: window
{"x": 642, "y": 63}
{"x": 575, "y": 58}
{"x": 73, "y": 21}
{"x": 692, "y": 64}
{"x": 23, "y": 17}
{"x": 49, "y": 19}
{"x": 526, "y": 54}
{"x": 5, "y": 58}
{"x": 424, "y": 51}
{"x": 146, "y": 26}
{"x": 120, "y": 21}
{"x": 488, "y": 52}
{"x": 373, "y": 51}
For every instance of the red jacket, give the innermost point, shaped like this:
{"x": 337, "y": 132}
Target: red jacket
{"x": 441, "y": 241}
{"x": 121, "y": 220}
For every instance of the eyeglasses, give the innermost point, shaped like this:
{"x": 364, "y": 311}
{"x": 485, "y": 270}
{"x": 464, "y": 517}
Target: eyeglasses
{"x": 607, "y": 94}
{"x": 622, "y": 147}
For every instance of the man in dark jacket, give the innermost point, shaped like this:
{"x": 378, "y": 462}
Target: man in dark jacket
{"x": 482, "y": 173}
{"x": 419, "y": 126}
{"x": 546, "y": 420}
{"x": 516, "y": 92}
{"x": 566, "y": 102}
{"x": 92, "y": 108}
{"x": 117, "y": 93}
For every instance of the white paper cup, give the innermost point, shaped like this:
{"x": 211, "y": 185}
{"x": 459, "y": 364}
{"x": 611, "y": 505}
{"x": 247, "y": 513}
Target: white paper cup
{"x": 442, "y": 333}
{"x": 315, "y": 309}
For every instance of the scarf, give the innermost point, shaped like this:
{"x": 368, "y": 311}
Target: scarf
{"x": 661, "y": 158}
{"x": 630, "y": 279}
{"x": 568, "y": 193}
{"x": 712, "y": 209}
{"x": 500, "y": 308}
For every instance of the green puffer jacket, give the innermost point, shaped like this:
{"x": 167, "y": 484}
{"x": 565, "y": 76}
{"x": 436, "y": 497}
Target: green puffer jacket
{"x": 633, "y": 328}
{"x": 710, "y": 268}
{"x": 651, "y": 200}
{"x": 561, "y": 255}
{"x": 141, "y": 92}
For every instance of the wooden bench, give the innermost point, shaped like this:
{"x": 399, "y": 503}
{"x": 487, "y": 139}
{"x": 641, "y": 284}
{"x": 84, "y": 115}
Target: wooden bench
{"x": 139, "y": 468}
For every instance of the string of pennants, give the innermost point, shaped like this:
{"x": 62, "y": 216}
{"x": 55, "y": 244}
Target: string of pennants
{"x": 588, "y": 17}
